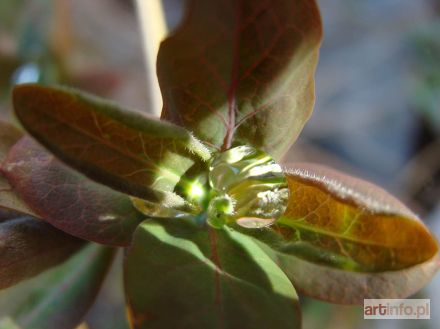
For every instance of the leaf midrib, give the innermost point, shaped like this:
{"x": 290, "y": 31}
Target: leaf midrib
{"x": 334, "y": 235}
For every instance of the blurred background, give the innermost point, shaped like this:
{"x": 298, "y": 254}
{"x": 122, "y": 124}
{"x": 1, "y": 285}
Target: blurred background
{"x": 377, "y": 113}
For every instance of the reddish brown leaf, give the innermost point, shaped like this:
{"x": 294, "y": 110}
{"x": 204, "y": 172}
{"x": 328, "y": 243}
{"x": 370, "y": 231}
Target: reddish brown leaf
{"x": 130, "y": 152}
{"x": 343, "y": 286}
{"x": 343, "y": 239}
{"x": 9, "y": 135}
{"x": 355, "y": 220}
{"x": 67, "y": 199}
{"x": 9, "y": 200}
{"x": 29, "y": 246}
{"x": 242, "y": 71}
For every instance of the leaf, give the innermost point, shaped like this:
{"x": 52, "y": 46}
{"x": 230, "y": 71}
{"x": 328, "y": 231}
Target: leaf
{"x": 180, "y": 275}
{"x": 355, "y": 219}
{"x": 58, "y": 298}
{"x": 241, "y": 72}
{"x": 10, "y": 201}
{"x": 29, "y": 246}
{"x": 342, "y": 239}
{"x": 9, "y": 135}
{"x": 125, "y": 150}
{"x": 110, "y": 300}
{"x": 69, "y": 200}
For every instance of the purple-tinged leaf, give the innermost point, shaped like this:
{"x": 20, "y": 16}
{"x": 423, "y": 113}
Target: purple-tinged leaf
{"x": 68, "y": 200}
{"x": 9, "y": 135}
{"x": 125, "y": 150}
{"x": 241, "y": 72}
{"x": 10, "y": 201}
{"x": 342, "y": 239}
{"x": 29, "y": 246}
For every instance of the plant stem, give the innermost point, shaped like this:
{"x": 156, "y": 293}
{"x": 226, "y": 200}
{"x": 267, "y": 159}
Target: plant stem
{"x": 153, "y": 27}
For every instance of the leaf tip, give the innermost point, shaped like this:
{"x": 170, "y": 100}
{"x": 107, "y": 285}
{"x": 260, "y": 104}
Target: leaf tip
{"x": 22, "y": 90}
{"x": 196, "y": 146}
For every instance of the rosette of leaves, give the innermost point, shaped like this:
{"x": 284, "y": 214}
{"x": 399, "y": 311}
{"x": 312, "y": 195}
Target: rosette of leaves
{"x": 235, "y": 74}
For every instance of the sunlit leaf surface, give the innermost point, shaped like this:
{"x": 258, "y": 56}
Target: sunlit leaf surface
{"x": 243, "y": 74}
{"x": 128, "y": 151}
{"x": 353, "y": 221}
{"x": 180, "y": 275}
{"x": 343, "y": 239}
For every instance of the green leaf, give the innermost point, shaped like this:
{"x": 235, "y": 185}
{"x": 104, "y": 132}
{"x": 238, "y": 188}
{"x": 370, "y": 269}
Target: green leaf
{"x": 29, "y": 246}
{"x": 181, "y": 275}
{"x": 241, "y": 72}
{"x": 124, "y": 150}
{"x": 342, "y": 239}
{"x": 68, "y": 200}
{"x": 58, "y": 298}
